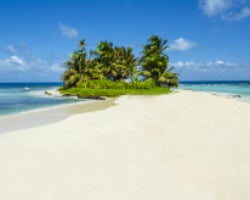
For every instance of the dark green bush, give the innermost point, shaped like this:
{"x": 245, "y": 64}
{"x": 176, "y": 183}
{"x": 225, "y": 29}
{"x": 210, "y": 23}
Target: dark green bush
{"x": 87, "y": 92}
{"x": 121, "y": 85}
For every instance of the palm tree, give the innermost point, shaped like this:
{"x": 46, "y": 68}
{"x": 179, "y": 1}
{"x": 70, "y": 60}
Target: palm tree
{"x": 94, "y": 69}
{"x": 77, "y": 68}
{"x": 124, "y": 63}
{"x": 154, "y": 63}
{"x": 104, "y": 58}
{"x": 71, "y": 76}
{"x": 80, "y": 57}
{"x": 168, "y": 79}
{"x": 117, "y": 63}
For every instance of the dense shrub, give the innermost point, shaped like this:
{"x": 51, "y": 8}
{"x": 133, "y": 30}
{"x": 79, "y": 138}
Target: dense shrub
{"x": 120, "y": 85}
{"x": 87, "y": 92}
{"x": 148, "y": 84}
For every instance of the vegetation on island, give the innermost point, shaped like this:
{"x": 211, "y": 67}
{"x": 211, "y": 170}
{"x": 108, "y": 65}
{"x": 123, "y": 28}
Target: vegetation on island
{"x": 113, "y": 70}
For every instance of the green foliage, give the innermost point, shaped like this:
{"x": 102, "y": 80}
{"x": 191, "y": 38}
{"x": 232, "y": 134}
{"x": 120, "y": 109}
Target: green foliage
{"x": 154, "y": 63}
{"x": 87, "y": 92}
{"x": 102, "y": 84}
{"x": 148, "y": 84}
{"x": 117, "y": 63}
{"x": 109, "y": 66}
{"x": 107, "y": 84}
{"x": 77, "y": 68}
{"x": 71, "y": 77}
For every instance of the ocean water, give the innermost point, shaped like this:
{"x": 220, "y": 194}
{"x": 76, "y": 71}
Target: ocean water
{"x": 232, "y": 89}
{"x": 23, "y": 97}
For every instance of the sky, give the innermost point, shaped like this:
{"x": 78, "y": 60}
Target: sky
{"x": 208, "y": 39}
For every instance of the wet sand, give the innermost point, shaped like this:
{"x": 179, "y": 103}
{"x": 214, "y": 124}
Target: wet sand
{"x": 50, "y": 115}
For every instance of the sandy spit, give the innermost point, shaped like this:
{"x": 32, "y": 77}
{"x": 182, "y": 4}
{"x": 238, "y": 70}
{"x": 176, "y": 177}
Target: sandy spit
{"x": 183, "y": 146}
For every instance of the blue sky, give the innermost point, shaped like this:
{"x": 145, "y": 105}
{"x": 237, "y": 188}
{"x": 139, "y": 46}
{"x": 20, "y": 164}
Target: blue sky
{"x": 208, "y": 39}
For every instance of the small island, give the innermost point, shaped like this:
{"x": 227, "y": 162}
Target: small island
{"x": 112, "y": 71}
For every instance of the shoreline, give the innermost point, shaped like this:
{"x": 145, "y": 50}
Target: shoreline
{"x": 56, "y": 113}
{"x": 46, "y": 108}
{"x": 50, "y": 115}
{"x": 236, "y": 97}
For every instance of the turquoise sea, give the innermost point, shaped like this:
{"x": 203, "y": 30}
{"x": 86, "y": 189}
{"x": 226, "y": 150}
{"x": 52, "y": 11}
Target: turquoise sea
{"x": 232, "y": 89}
{"x": 23, "y": 97}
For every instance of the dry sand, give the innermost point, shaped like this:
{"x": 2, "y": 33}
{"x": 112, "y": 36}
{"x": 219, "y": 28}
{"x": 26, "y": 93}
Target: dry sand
{"x": 182, "y": 146}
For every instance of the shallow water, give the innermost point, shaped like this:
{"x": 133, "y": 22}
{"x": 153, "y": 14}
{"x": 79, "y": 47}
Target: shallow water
{"x": 51, "y": 115}
{"x": 22, "y": 97}
{"x": 234, "y": 89}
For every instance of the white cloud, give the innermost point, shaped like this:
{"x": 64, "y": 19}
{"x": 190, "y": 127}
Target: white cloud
{"x": 181, "y": 64}
{"x": 13, "y": 63}
{"x": 30, "y": 63}
{"x": 57, "y": 68}
{"x": 228, "y": 10}
{"x": 16, "y": 60}
{"x": 219, "y": 62}
{"x": 218, "y": 65}
{"x": 181, "y": 45}
{"x": 67, "y": 31}
{"x": 28, "y": 67}
{"x": 244, "y": 13}
{"x": 214, "y": 7}
{"x": 10, "y": 49}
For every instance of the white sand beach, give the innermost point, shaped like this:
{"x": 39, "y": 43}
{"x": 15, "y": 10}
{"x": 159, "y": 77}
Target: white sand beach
{"x": 183, "y": 146}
